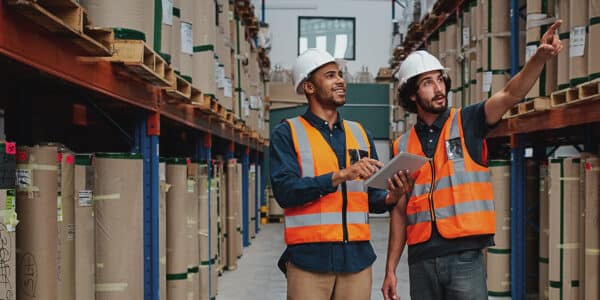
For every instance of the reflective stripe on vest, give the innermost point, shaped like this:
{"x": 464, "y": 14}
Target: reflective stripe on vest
{"x": 462, "y": 193}
{"x": 322, "y": 219}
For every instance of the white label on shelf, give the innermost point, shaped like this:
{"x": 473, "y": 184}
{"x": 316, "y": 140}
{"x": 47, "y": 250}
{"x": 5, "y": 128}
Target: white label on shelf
{"x": 85, "y": 198}
{"x": 252, "y": 168}
{"x": 466, "y": 36}
{"x": 577, "y": 43}
{"x": 190, "y": 185}
{"x": 220, "y": 76}
{"x": 167, "y": 12}
{"x": 530, "y": 51}
{"x": 487, "y": 82}
{"x": 227, "y": 92}
{"x": 23, "y": 178}
{"x": 187, "y": 38}
{"x": 162, "y": 171}
{"x": 254, "y": 102}
{"x": 245, "y": 105}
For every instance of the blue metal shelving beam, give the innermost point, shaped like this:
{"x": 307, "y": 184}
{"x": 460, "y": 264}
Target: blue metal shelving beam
{"x": 245, "y": 198}
{"x": 256, "y": 193}
{"x": 518, "y": 205}
{"x": 147, "y": 144}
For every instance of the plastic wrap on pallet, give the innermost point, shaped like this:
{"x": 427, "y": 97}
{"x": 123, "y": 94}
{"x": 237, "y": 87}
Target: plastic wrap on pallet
{"x": 564, "y": 237}
{"x": 176, "y": 171}
{"x": 36, "y": 237}
{"x": 579, "y": 42}
{"x": 118, "y": 209}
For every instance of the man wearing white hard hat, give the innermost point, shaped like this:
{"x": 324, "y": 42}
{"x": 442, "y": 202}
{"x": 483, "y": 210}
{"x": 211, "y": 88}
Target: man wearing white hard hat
{"x": 448, "y": 215}
{"x": 318, "y": 162}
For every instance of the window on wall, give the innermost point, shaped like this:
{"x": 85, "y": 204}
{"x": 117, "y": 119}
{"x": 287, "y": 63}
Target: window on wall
{"x": 333, "y": 34}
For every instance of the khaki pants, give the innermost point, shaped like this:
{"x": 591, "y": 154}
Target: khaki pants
{"x": 302, "y": 285}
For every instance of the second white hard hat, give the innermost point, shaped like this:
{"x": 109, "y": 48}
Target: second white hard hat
{"x": 417, "y": 63}
{"x": 306, "y": 63}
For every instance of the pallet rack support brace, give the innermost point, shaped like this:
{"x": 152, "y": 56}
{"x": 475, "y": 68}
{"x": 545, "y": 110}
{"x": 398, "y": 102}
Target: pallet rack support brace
{"x": 146, "y": 142}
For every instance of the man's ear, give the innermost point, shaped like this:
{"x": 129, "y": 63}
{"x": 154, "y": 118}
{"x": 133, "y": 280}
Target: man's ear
{"x": 309, "y": 88}
{"x": 413, "y": 98}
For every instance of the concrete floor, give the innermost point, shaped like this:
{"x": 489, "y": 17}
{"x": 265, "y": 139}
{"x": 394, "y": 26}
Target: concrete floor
{"x": 258, "y": 278}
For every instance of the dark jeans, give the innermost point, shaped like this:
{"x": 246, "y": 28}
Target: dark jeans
{"x": 458, "y": 276}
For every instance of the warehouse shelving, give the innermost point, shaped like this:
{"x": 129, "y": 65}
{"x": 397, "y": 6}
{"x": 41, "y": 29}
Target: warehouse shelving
{"x": 573, "y": 122}
{"x": 133, "y": 109}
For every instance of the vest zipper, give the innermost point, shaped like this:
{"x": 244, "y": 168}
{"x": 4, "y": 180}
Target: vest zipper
{"x": 344, "y": 209}
{"x": 431, "y": 206}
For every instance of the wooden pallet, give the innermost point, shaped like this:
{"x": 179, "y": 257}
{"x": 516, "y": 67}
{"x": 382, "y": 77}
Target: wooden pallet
{"x": 512, "y": 112}
{"x": 238, "y": 124}
{"x": 141, "y": 60}
{"x": 564, "y": 97}
{"x": 199, "y": 100}
{"x": 229, "y": 117}
{"x": 180, "y": 89}
{"x": 589, "y": 91}
{"x": 66, "y": 18}
{"x": 534, "y": 106}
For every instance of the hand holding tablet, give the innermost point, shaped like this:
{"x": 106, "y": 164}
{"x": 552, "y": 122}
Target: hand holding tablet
{"x": 403, "y": 161}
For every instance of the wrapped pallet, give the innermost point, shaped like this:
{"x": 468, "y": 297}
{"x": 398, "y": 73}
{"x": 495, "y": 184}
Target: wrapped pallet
{"x": 66, "y": 227}
{"x": 498, "y": 256}
{"x": 594, "y": 40}
{"x": 37, "y": 175}
{"x": 193, "y": 244}
{"x": 8, "y": 221}
{"x": 118, "y": 209}
{"x": 564, "y": 235}
{"x": 544, "y": 232}
{"x": 85, "y": 261}
{"x": 176, "y": 171}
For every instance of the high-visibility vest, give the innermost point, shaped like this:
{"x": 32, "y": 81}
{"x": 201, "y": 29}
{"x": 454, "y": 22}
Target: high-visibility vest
{"x": 325, "y": 219}
{"x": 452, "y": 189}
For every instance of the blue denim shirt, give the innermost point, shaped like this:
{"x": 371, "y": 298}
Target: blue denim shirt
{"x": 290, "y": 189}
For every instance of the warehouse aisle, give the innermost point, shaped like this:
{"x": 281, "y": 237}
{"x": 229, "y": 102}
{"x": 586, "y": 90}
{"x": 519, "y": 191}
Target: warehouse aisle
{"x": 258, "y": 278}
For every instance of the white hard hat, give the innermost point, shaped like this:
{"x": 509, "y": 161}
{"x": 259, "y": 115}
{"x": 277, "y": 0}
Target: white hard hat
{"x": 306, "y": 63}
{"x": 417, "y": 63}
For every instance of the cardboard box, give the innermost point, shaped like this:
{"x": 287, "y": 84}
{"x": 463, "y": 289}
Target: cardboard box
{"x": 176, "y": 171}
{"x": 544, "y": 234}
{"x": 85, "y": 261}
{"x": 591, "y": 260}
{"x": 594, "y": 47}
{"x": 500, "y": 178}
{"x": 8, "y": 282}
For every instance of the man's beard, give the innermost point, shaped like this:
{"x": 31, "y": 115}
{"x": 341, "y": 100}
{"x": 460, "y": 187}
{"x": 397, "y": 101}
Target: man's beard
{"x": 428, "y": 106}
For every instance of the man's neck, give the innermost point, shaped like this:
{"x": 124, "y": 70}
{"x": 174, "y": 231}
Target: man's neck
{"x": 427, "y": 117}
{"x": 328, "y": 115}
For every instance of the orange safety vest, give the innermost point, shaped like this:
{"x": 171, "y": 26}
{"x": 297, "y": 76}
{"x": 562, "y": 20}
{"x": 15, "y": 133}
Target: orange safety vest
{"x": 452, "y": 189}
{"x": 322, "y": 220}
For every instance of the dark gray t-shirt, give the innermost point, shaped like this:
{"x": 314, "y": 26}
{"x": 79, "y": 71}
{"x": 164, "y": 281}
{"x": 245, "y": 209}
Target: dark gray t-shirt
{"x": 475, "y": 129}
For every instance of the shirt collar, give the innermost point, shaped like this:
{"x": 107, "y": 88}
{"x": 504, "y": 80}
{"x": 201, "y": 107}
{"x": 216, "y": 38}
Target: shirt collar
{"x": 317, "y": 122}
{"x": 437, "y": 124}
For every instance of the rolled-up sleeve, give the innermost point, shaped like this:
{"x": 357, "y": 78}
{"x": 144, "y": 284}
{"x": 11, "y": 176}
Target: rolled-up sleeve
{"x": 289, "y": 187}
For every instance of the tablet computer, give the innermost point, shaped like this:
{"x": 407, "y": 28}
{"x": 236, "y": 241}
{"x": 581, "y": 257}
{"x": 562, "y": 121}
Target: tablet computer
{"x": 402, "y": 161}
